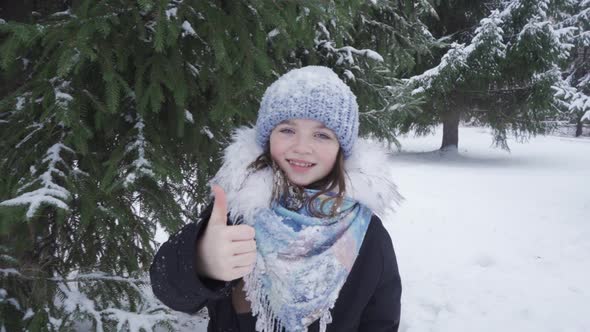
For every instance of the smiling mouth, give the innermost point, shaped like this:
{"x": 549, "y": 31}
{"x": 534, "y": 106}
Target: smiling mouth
{"x": 300, "y": 163}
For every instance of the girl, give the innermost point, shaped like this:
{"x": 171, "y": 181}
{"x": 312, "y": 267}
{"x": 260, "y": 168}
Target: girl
{"x": 292, "y": 240}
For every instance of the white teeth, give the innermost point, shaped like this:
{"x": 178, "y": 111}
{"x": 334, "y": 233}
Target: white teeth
{"x": 300, "y": 164}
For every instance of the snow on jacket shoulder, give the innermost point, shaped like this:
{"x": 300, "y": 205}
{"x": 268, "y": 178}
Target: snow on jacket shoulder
{"x": 368, "y": 301}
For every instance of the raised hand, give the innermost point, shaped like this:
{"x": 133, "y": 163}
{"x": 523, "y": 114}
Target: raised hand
{"x": 225, "y": 252}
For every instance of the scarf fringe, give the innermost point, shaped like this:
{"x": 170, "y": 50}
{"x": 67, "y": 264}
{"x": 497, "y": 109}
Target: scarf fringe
{"x": 325, "y": 320}
{"x": 267, "y": 321}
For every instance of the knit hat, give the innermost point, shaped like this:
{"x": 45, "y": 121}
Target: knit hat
{"x": 311, "y": 92}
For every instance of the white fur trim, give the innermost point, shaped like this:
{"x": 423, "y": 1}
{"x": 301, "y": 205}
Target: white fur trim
{"x": 368, "y": 180}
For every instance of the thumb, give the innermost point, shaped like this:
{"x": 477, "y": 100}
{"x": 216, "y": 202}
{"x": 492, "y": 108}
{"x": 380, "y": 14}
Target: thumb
{"x": 219, "y": 213}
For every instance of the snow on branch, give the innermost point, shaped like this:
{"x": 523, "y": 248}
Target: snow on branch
{"x": 397, "y": 92}
{"x": 189, "y": 116}
{"x": 172, "y": 10}
{"x": 484, "y": 50}
{"x": 345, "y": 54}
{"x": 20, "y": 101}
{"x": 67, "y": 13}
{"x": 580, "y": 21}
{"x": 148, "y": 311}
{"x": 517, "y": 7}
{"x": 141, "y": 311}
{"x": 142, "y": 321}
{"x": 541, "y": 28}
{"x": 535, "y": 31}
{"x": 582, "y": 16}
{"x": 454, "y": 60}
{"x": 170, "y": 13}
{"x": 489, "y": 33}
{"x": 9, "y": 300}
{"x": 206, "y": 131}
{"x": 574, "y": 100}
{"x": 273, "y": 33}
{"x": 50, "y": 192}
{"x": 146, "y": 318}
{"x": 60, "y": 88}
{"x": 187, "y": 29}
{"x": 584, "y": 81}
{"x": 9, "y": 271}
{"x": 194, "y": 70}
{"x": 36, "y": 126}
{"x": 580, "y": 102}
{"x": 140, "y": 166}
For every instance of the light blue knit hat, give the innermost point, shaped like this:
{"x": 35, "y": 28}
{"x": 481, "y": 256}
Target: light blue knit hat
{"x": 311, "y": 92}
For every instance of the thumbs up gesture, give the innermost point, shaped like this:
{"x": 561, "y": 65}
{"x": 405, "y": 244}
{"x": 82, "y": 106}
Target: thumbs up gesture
{"x": 225, "y": 252}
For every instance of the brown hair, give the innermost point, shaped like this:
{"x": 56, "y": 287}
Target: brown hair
{"x": 282, "y": 187}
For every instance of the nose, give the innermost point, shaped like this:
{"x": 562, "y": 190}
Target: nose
{"x": 302, "y": 145}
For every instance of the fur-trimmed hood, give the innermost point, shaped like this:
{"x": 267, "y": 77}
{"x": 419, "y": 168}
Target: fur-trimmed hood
{"x": 368, "y": 180}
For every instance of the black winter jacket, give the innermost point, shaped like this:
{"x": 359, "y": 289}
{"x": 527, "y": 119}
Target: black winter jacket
{"x": 368, "y": 301}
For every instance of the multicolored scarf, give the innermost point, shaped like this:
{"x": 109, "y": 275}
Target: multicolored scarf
{"x": 302, "y": 262}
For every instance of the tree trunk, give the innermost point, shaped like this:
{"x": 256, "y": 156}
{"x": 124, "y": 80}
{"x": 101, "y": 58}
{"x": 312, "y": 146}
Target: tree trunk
{"x": 579, "y": 127}
{"x": 451, "y": 129}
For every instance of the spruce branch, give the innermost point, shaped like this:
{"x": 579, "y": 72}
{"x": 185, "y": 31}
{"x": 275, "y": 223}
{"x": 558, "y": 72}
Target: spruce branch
{"x": 49, "y": 192}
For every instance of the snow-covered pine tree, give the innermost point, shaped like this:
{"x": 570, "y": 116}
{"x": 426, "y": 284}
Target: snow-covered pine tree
{"x": 392, "y": 37}
{"x": 499, "y": 69}
{"x": 573, "y": 22}
{"x": 116, "y": 125}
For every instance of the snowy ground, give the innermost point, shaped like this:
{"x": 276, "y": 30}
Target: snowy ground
{"x": 493, "y": 241}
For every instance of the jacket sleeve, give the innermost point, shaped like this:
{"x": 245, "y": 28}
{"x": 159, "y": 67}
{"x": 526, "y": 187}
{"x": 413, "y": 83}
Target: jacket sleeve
{"x": 382, "y": 313}
{"x": 173, "y": 273}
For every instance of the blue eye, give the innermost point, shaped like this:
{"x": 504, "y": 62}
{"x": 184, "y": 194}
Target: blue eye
{"x": 286, "y": 131}
{"x": 323, "y": 136}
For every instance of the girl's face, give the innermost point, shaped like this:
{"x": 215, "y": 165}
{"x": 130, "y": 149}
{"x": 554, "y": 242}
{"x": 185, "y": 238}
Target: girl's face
{"x": 304, "y": 149}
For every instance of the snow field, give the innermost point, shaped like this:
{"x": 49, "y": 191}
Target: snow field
{"x": 488, "y": 240}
